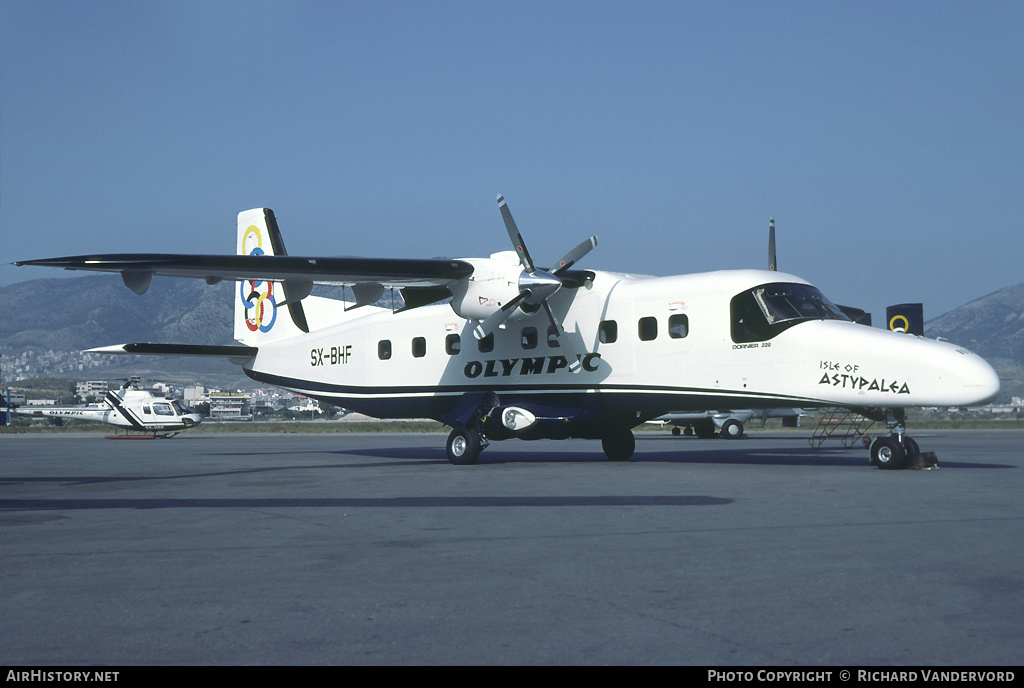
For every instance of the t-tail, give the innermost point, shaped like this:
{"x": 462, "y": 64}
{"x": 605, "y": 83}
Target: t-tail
{"x": 266, "y": 311}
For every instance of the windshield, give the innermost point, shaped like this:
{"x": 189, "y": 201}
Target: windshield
{"x": 781, "y": 302}
{"x": 766, "y": 310}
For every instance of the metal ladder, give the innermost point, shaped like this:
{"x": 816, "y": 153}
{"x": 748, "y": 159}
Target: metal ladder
{"x": 844, "y": 425}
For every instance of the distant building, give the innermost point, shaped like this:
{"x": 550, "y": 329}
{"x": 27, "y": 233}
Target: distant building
{"x": 230, "y": 406}
{"x": 195, "y": 395}
{"x": 85, "y": 388}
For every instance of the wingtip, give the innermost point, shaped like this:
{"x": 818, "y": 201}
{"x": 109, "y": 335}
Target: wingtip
{"x": 112, "y": 349}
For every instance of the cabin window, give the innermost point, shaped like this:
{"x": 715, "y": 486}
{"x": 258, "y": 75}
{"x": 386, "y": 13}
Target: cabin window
{"x": 608, "y": 331}
{"x": 163, "y": 409}
{"x": 384, "y": 349}
{"x": 678, "y": 326}
{"x": 452, "y": 344}
{"x": 529, "y": 338}
{"x": 419, "y": 347}
{"x": 486, "y": 345}
{"x": 145, "y": 409}
{"x": 647, "y": 328}
{"x": 763, "y": 312}
{"x": 553, "y": 337}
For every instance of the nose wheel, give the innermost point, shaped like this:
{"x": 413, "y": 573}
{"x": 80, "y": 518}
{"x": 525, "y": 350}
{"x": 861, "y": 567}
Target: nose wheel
{"x": 898, "y": 450}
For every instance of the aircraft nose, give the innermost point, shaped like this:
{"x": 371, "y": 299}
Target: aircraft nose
{"x": 979, "y": 380}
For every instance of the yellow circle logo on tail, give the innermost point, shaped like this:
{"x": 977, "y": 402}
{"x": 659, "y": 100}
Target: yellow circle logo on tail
{"x": 899, "y": 328}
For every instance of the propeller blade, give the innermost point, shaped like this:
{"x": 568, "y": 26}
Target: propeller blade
{"x": 495, "y": 319}
{"x": 573, "y": 256}
{"x": 515, "y": 236}
{"x": 772, "y": 265}
{"x": 570, "y": 354}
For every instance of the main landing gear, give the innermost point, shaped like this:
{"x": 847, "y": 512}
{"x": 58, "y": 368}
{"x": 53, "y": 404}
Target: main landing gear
{"x": 465, "y": 444}
{"x": 898, "y": 450}
{"x": 480, "y": 415}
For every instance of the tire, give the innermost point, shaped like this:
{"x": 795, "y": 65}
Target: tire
{"x": 619, "y": 446}
{"x": 705, "y": 429}
{"x": 732, "y": 429}
{"x": 911, "y": 449}
{"x": 463, "y": 446}
{"x": 888, "y": 454}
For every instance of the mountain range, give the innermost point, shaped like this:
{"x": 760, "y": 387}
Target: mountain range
{"x": 46, "y": 323}
{"x": 992, "y": 327}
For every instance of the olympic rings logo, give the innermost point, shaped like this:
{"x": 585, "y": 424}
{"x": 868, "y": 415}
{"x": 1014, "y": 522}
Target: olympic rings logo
{"x": 257, "y": 295}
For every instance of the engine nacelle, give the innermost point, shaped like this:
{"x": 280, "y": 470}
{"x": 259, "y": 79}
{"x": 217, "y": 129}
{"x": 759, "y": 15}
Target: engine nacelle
{"x": 495, "y": 281}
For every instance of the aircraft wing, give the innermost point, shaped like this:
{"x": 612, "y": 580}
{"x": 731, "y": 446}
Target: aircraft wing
{"x": 389, "y": 272}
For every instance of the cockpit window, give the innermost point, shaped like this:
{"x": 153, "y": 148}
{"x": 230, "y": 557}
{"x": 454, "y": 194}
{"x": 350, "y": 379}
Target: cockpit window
{"x": 764, "y": 311}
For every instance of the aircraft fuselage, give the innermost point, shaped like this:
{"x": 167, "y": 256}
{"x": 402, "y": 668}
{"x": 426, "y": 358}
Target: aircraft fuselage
{"x": 647, "y": 346}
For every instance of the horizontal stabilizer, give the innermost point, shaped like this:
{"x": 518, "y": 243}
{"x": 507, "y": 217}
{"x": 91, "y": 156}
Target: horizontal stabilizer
{"x": 235, "y": 352}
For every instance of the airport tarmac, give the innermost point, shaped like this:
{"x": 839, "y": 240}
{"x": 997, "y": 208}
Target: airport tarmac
{"x": 371, "y": 549}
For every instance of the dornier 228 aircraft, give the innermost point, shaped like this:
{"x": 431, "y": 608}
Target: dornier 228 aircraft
{"x": 550, "y": 353}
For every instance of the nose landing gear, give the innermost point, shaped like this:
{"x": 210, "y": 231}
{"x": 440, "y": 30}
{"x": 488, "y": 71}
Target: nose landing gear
{"x": 898, "y": 450}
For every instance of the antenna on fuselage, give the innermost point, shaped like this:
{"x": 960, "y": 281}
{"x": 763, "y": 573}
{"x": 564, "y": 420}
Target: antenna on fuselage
{"x": 772, "y": 265}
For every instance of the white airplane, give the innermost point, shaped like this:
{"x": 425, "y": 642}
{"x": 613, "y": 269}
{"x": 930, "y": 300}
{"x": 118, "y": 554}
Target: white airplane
{"x": 533, "y": 353}
{"x": 130, "y": 409}
{"x": 727, "y": 422}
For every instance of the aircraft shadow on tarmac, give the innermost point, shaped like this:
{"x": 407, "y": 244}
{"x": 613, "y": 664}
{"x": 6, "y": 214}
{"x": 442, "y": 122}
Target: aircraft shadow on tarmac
{"x": 709, "y": 452}
{"x": 684, "y": 451}
{"x": 529, "y": 501}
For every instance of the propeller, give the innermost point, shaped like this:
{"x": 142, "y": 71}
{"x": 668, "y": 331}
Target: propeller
{"x": 535, "y": 286}
{"x": 772, "y": 265}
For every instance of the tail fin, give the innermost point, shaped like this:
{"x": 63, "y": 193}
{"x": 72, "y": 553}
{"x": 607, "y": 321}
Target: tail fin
{"x": 259, "y": 313}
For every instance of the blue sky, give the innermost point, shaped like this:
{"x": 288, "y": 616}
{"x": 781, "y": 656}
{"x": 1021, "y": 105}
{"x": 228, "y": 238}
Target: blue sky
{"x": 885, "y": 138}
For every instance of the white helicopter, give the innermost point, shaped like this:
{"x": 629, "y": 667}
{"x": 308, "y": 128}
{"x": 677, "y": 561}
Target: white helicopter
{"x": 521, "y": 351}
{"x": 138, "y": 413}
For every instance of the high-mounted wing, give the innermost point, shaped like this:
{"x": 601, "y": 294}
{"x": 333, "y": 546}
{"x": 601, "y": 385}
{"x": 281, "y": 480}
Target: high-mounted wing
{"x": 390, "y": 272}
{"x": 481, "y": 289}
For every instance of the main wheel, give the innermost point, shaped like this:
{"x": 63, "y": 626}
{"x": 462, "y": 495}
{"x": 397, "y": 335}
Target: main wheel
{"x": 731, "y": 429}
{"x": 619, "y": 446}
{"x": 887, "y": 453}
{"x": 463, "y": 446}
{"x": 705, "y": 429}
{"x": 911, "y": 449}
